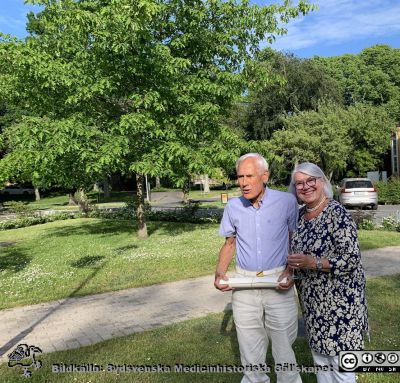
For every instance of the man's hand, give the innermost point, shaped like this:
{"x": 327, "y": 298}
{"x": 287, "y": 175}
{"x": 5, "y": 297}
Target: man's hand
{"x": 218, "y": 285}
{"x": 225, "y": 256}
{"x": 287, "y": 273}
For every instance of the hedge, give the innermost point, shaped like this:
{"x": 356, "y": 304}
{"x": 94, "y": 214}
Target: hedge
{"x": 388, "y": 192}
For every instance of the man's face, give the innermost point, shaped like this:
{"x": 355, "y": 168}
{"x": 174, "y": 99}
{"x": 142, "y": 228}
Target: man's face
{"x": 251, "y": 178}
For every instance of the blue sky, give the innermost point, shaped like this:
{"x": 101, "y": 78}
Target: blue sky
{"x": 338, "y": 27}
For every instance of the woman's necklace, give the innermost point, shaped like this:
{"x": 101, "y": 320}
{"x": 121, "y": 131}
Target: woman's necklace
{"x": 311, "y": 209}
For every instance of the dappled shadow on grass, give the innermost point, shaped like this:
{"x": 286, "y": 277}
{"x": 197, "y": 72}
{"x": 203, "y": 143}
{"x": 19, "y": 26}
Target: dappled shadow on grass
{"x": 7, "y": 243}
{"x": 173, "y": 228}
{"x": 87, "y": 261}
{"x": 108, "y": 227}
{"x": 13, "y": 260}
{"x": 105, "y": 227}
{"x": 122, "y": 249}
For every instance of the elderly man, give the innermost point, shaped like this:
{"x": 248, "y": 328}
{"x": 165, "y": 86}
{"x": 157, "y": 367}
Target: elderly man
{"x": 258, "y": 225}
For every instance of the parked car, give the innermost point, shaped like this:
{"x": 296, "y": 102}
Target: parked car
{"x": 17, "y": 190}
{"x": 357, "y": 192}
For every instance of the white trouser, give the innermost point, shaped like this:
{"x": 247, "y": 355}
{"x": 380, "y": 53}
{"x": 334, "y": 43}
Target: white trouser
{"x": 260, "y": 315}
{"x": 333, "y": 376}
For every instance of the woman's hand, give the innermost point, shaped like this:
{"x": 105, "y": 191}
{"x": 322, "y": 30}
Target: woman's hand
{"x": 301, "y": 261}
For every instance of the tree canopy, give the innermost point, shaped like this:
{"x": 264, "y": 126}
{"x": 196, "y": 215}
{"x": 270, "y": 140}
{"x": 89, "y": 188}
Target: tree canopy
{"x": 343, "y": 141}
{"x": 151, "y": 77}
{"x": 301, "y": 86}
{"x": 156, "y": 75}
{"x": 372, "y": 76}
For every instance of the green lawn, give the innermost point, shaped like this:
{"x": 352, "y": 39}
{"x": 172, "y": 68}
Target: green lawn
{"x": 208, "y": 341}
{"x": 87, "y": 256}
{"x": 372, "y": 239}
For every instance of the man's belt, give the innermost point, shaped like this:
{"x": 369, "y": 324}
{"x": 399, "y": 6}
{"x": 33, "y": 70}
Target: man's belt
{"x": 263, "y": 273}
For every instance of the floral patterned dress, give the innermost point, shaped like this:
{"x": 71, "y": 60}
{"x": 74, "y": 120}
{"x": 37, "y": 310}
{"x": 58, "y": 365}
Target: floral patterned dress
{"x": 333, "y": 303}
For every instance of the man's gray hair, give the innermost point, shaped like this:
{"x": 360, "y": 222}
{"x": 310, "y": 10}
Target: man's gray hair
{"x": 261, "y": 161}
{"x": 313, "y": 171}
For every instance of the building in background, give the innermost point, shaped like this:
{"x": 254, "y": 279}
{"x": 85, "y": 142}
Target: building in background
{"x": 395, "y": 152}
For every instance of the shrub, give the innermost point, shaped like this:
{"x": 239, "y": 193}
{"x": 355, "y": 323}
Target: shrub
{"x": 366, "y": 224}
{"x": 20, "y": 208}
{"x": 391, "y": 224}
{"x": 32, "y": 220}
{"x": 363, "y": 219}
{"x": 388, "y": 192}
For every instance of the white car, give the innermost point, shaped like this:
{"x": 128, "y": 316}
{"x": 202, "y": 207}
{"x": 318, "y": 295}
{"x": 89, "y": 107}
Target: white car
{"x": 17, "y": 190}
{"x": 358, "y": 192}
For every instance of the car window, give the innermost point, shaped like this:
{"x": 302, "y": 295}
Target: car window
{"x": 358, "y": 184}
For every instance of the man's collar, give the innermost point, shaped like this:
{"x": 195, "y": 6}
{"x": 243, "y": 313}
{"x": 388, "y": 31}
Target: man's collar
{"x": 264, "y": 197}
{"x": 248, "y": 203}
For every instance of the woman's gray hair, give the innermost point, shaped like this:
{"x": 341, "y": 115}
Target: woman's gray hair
{"x": 261, "y": 161}
{"x": 313, "y": 171}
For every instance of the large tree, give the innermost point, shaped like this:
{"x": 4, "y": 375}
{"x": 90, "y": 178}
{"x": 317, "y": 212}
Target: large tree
{"x": 371, "y": 77}
{"x": 300, "y": 85}
{"x": 343, "y": 141}
{"x": 154, "y": 76}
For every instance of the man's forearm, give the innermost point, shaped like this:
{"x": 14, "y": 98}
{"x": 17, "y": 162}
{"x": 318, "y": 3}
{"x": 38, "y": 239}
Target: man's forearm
{"x": 225, "y": 256}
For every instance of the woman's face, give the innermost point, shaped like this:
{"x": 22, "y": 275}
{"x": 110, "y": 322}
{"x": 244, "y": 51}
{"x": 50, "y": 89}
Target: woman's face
{"x": 309, "y": 189}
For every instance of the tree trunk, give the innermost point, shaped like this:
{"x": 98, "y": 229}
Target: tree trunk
{"x": 158, "y": 183}
{"x": 83, "y": 202}
{"x": 140, "y": 210}
{"x": 97, "y": 188}
{"x": 106, "y": 188}
{"x": 72, "y": 200}
{"x": 185, "y": 192}
{"x": 37, "y": 194}
{"x": 206, "y": 184}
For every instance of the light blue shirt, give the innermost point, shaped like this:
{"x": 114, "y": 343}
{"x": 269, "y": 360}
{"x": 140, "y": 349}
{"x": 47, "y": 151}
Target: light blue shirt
{"x": 262, "y": 235}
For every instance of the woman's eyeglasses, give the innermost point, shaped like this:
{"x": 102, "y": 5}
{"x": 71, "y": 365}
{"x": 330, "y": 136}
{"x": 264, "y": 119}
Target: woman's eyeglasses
{"x": 309, "y": 182}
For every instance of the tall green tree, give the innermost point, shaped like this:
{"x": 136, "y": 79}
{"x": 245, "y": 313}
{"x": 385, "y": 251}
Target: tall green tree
{"x": 300, "y": 85}
{"x": 52, "y": 153}
{"x": 372, "y": 76}
{"x": 153, "y": 76}
{"x": 343, "y": 141}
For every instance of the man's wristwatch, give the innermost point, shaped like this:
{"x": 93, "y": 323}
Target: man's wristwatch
{"x": 319, "y": 264}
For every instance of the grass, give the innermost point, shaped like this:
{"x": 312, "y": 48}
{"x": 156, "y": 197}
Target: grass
{"x": 373, "y": 239}
{"x": 208, "y": 341}
{"x": 87, "y": 256}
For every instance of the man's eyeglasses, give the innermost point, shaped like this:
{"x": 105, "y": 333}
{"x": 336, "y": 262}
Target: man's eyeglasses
{"x": 309, "y": 182}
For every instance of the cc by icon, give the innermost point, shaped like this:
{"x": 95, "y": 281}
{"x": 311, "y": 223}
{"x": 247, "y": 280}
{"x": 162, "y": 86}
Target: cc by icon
{"x": 349, "y": 361}
{"x": 367, "y": 358}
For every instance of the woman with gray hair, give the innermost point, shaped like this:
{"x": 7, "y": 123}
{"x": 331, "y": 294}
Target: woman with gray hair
{"x": 330, "y": 279}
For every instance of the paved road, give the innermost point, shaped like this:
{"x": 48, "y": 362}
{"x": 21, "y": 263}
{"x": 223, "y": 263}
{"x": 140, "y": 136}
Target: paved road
{"x": 173, "y": 199}
{"x": 75, "y": 322}
{"x": 385, "y": 211}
